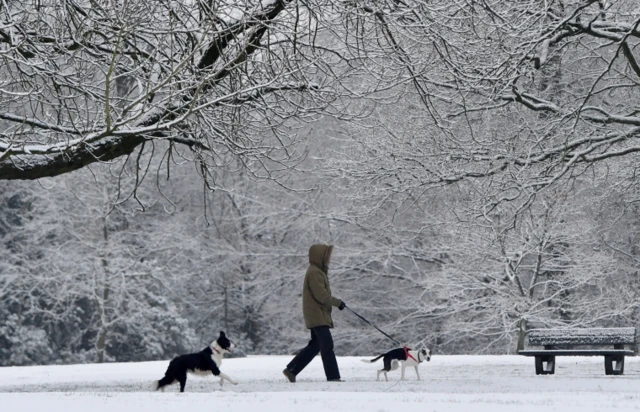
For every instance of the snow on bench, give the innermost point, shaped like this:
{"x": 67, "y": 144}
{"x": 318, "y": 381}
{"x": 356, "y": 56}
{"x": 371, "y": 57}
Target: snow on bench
{"x": 563, "y": 342}
{"x": 595, "y": 336}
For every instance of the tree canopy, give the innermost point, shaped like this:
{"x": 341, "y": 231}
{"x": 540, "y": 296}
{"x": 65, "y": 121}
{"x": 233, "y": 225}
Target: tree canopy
{"x": 499, "y": 87}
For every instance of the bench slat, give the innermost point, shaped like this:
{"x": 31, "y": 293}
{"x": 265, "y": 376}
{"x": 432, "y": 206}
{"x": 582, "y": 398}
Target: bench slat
{"x": 576, "y": 352}
{"x": 593, "y": 336}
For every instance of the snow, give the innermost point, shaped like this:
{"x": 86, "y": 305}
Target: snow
{"x": 450, "y": 383}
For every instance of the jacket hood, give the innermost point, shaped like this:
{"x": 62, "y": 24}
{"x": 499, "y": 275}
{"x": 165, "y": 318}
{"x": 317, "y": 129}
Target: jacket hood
{"x": 320, "y": 255}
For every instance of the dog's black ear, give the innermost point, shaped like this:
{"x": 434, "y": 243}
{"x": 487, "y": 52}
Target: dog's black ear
{"x": 222, "y": 335}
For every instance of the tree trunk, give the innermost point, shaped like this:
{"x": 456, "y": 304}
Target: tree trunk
{"x": 104, "y": 296}
{"x": 522, "y": 331}
{"x": 226, "y": 310}
{"x": 100, "y": 344}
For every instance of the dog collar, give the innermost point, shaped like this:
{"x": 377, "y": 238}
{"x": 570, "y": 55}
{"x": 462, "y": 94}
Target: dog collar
{"x": 407, "y": 355}
{"x": 215, "y": 349}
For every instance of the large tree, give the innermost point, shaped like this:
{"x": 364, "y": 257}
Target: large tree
{"x": 88, "y": 81}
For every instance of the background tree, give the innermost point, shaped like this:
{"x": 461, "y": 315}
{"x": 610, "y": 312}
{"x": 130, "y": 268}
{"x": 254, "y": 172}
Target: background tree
{"x": 87, "y": 274}
{"x": 479, "y": 86}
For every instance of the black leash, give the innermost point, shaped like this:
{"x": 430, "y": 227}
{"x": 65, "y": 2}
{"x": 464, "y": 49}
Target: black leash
{"x": 379, "y": 330}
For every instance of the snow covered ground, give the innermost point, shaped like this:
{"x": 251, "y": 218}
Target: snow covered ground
{"x": 449, "y": 383}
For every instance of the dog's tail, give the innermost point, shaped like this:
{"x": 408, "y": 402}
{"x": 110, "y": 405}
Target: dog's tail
{"x": 372, "y": 360}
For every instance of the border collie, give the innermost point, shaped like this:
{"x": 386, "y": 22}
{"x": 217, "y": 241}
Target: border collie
{"x": 405, "y": 356}
{"x": 201, "y": 363}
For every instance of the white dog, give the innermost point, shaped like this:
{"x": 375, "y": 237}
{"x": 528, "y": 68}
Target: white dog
{"x": 405, "y": 356}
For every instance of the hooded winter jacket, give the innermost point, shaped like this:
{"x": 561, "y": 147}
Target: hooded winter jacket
{"x": 316, "y": 293}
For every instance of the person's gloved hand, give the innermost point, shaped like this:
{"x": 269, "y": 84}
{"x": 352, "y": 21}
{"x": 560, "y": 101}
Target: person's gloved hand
{"x": 342, "y": 305}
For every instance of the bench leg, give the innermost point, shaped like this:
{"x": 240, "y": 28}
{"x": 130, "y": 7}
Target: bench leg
{"x": 614, "y": 364}
{"x": 545, "y": 365}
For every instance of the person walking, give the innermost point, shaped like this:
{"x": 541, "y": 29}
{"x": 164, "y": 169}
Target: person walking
{"x": 317, "y": 302}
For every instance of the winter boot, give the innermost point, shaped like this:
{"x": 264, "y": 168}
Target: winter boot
{"x": 289, "y": 375}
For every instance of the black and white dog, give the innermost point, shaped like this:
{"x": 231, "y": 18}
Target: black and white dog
{"x": 405, "y": 356}
{"x": 201, "y": 363}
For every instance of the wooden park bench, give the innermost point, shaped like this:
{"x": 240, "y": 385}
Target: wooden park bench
{"x": 580, "y": 342}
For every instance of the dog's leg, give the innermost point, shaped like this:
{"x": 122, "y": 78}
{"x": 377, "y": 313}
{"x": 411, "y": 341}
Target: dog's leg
{"x": 223, "y": 377}
{"x": 402, "y": 373}
{"x": 417, "y": 373}
{"x": 385, "y": 375}
{"x": 183, "y": 381}
{"x": 159, "y": 385}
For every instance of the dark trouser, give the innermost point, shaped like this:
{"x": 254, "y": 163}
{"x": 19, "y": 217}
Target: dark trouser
{"x": 322, "y": 342}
